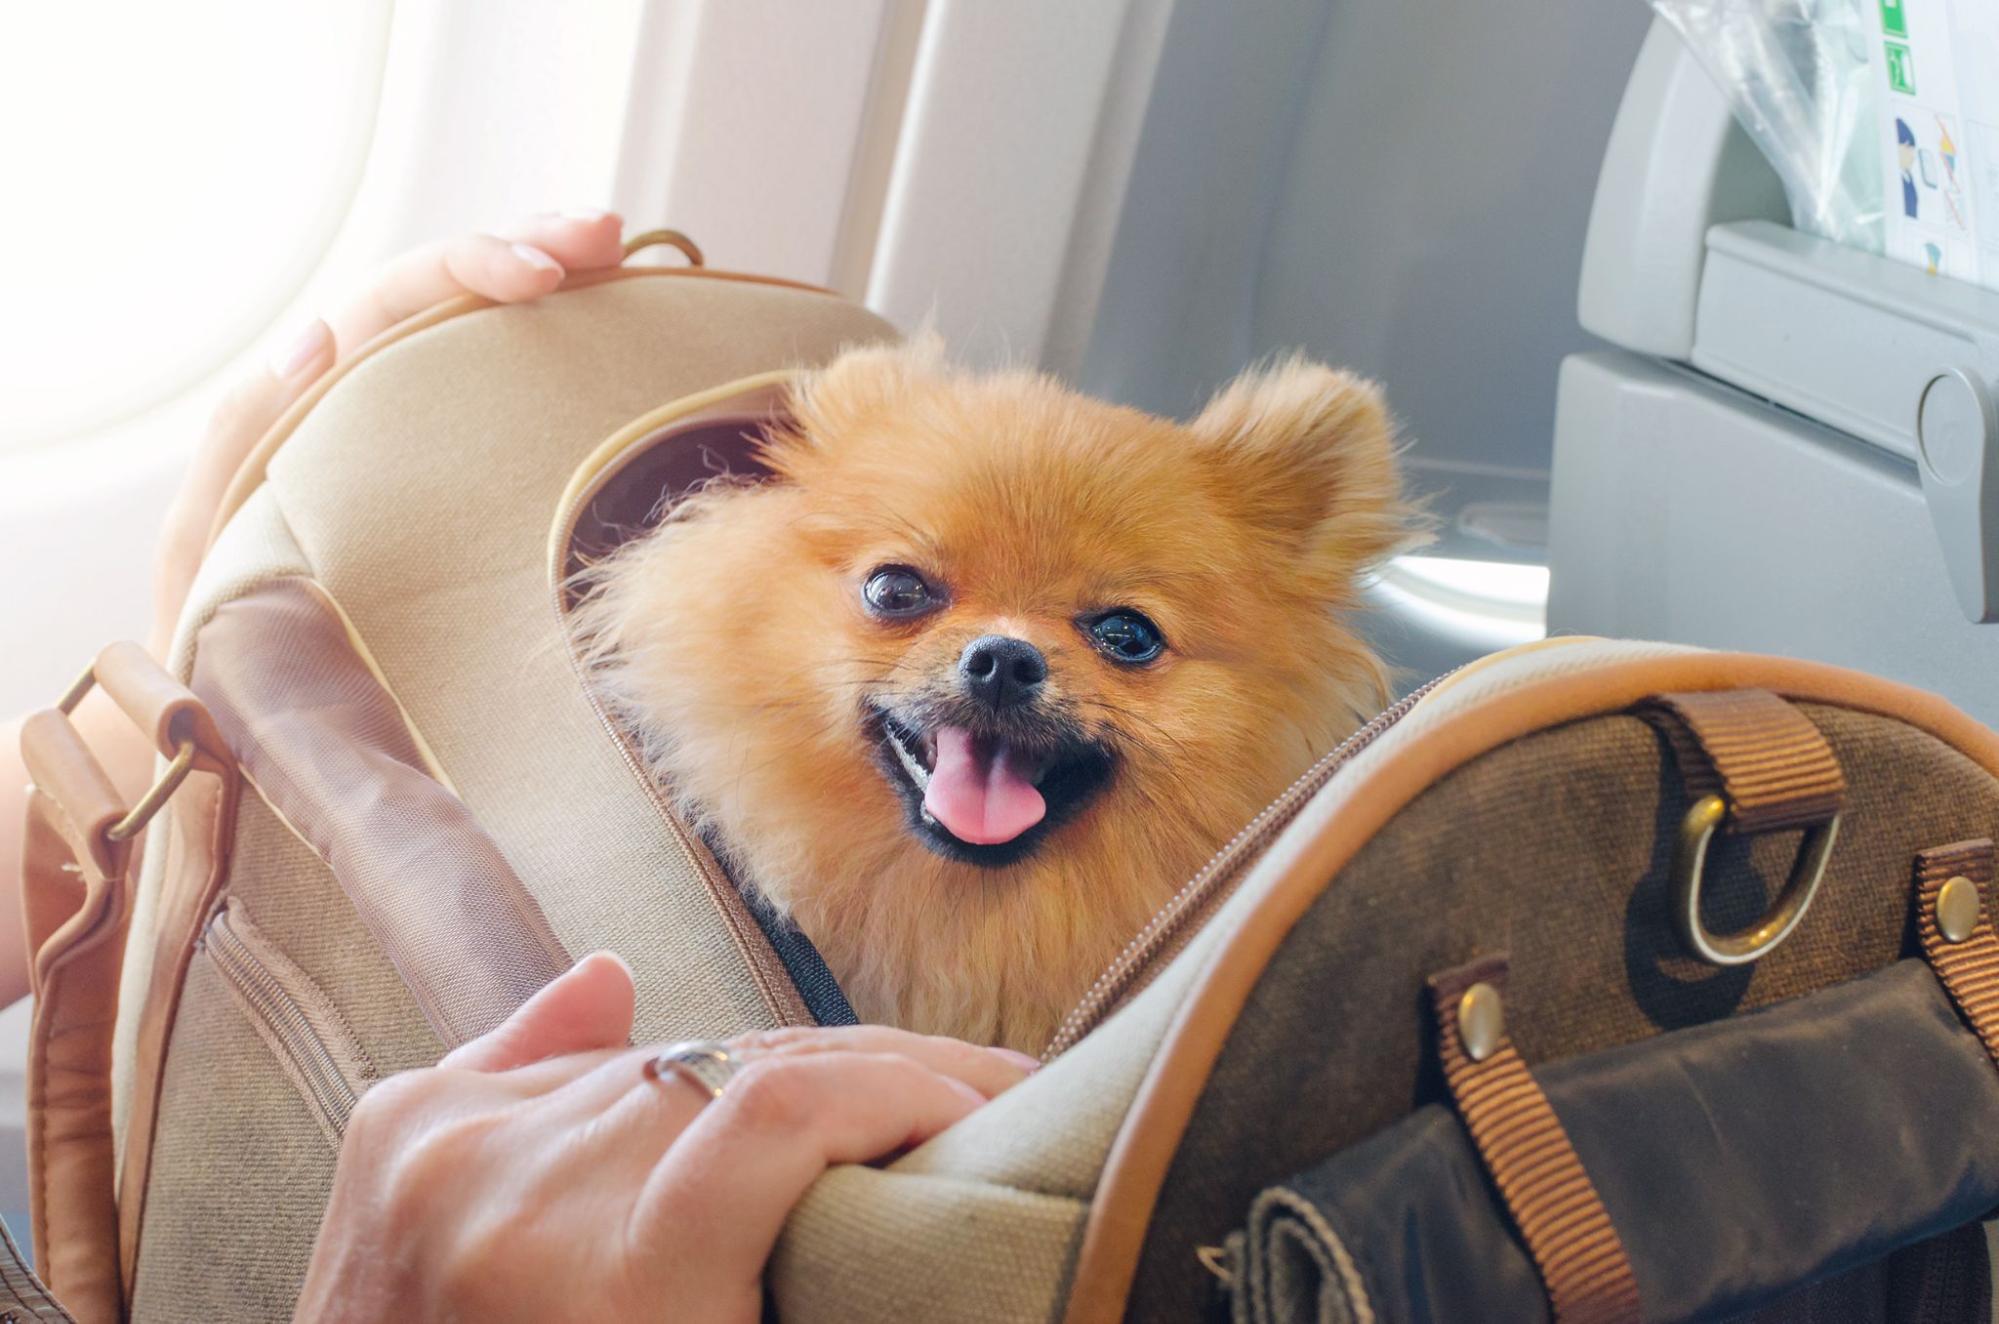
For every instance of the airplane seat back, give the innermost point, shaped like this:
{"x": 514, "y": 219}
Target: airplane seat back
{"x": 1307, "y": 177}
{"x": 1783, "y": 448}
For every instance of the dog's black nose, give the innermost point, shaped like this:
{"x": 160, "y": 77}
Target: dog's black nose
{"x": 1002, "y": 672}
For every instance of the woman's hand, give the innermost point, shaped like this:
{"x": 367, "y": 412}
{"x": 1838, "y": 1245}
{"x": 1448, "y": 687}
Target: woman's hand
{"x": 541, "y": 1173}
{"x": 523, "y": 264}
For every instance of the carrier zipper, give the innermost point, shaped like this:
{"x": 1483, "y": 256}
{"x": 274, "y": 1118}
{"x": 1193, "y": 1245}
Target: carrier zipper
{"x": 1216, "y": 877}
{"x": 262, "y": 994}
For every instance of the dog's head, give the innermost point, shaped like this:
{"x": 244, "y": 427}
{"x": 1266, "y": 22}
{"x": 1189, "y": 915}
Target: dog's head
{"x": 979, "y": 635}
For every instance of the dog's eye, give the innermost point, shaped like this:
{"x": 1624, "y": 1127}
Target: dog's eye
{"x": 896, "y": 590}
{"x": 1125, "y": 636}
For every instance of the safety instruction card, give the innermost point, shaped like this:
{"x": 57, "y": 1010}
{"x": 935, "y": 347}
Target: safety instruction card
{"x": 1938, "y": 61}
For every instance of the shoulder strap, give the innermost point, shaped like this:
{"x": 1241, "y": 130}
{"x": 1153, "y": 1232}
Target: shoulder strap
{"x": 76, "y": 907}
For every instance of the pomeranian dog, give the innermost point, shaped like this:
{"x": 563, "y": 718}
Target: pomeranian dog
{"x": 986, "y": 669}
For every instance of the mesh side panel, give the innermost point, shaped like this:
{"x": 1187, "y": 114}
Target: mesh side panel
{"x": 329, "y": 749}
{"x": 300, "y": 906}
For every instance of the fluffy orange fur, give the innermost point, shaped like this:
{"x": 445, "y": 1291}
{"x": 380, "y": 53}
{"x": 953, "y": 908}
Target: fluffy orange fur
{"x": 734, "y": 640}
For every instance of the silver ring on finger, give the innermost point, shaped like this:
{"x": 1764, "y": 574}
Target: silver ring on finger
{"x": 704, "y": 1063}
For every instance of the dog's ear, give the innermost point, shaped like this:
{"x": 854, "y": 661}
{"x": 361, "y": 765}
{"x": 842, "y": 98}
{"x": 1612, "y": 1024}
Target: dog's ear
{"x": 1310, "y": 451}
{"x": 841, "y": 399}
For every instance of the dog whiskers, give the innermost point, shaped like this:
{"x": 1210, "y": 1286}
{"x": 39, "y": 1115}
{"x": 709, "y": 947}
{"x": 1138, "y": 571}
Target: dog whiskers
{"x": 1126, "y": 714}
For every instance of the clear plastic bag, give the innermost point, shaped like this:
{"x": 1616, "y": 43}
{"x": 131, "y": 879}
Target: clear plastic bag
{"x": 1797, "y": 73}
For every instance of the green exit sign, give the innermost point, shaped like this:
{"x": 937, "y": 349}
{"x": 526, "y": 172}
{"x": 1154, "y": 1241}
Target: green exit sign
{"x": 1894, "y": 21}
{"x": 1901, "y": 68}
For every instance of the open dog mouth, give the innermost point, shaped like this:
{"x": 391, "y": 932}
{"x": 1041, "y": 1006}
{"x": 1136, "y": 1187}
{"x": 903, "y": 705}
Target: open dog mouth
{"x": 981, "y": 797}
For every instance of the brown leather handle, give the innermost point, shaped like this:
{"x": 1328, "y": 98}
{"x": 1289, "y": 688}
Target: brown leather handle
{"x": 638, "y": 243}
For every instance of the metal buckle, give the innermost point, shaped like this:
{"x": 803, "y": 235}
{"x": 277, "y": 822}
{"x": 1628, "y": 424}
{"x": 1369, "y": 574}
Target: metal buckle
{"x": 1689, "y": 860}
{"x": 157, "y": 795}
{"x": 161, "y": 790}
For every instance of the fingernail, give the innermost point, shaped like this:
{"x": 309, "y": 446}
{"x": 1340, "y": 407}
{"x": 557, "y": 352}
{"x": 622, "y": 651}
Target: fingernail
{"x": 588, "y": 215}
{"x": 535, "y": 258}
{"x": 299, "y": 351}
{"x": 606, "y": 954}
{"x": 1021, "y": 1060}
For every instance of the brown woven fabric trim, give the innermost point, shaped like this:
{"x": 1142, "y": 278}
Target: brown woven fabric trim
{"x": 1968, "y": 970}
{"x": 1763, "y": 755}
{"x": 1557, "y": 1209}
{"x": 22, "y": 1295}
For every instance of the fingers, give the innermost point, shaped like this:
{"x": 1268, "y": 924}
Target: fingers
{"x": 987, "y": 1070}
{"x": 587, "y": 1008}
{"x": 526, "y": 264}
{"x": 715, "y": 1204}
{"x": 580, "y": 241}
{"x": 248, "y": 411}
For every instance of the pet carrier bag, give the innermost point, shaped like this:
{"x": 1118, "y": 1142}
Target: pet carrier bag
{"x": 1598, "y": 980}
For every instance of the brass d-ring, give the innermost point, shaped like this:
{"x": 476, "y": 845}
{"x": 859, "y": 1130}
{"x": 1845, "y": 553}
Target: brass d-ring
{"x": 149, "y": 804}
{"x": 671, "y": 238}
{"x": 1689, "y": 861}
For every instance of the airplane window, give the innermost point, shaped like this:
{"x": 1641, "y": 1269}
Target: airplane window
{"x": 189, "y": 255}
{"x": 1496, "y": 604}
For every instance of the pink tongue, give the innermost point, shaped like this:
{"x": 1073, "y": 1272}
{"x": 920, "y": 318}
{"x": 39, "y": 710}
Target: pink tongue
{"x": 979, "y": 791}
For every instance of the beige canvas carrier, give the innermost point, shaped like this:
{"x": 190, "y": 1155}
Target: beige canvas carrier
{"x": 390, "y": 809}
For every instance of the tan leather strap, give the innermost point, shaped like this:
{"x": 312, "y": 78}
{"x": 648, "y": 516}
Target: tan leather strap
{"x": 1561, "y": 1217}
{"x": 76, "y": 905}
{"x": 1967, "y": 966}
{"x": 82, "y": 803}
{"x": 166, "y": 710}
{"x": 70, "y": 1166}
{"x": 1763, "y": 756}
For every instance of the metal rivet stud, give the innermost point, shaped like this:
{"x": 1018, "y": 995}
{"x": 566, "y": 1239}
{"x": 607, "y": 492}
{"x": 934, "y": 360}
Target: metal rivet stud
{"x": 1481, "y": 1021}
{"x": 1957, "y": 908}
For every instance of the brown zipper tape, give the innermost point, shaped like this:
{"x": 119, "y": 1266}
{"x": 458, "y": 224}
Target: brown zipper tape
{"x": 1174, "y": 923}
